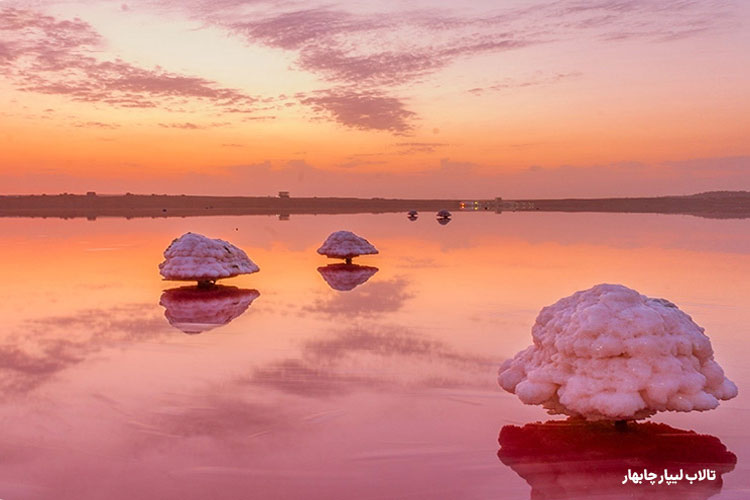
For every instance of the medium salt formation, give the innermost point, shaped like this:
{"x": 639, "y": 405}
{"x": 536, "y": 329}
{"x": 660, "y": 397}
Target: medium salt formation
{"x": 612, "y": 353}
{"x": 345, "y": 277}
{"x": 194, "y": 257}
{"x": 346, "y": 245}
{"x": 195, "y": 310}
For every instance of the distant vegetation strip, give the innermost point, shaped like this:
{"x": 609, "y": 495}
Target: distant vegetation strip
{"x": 717, "y": 204}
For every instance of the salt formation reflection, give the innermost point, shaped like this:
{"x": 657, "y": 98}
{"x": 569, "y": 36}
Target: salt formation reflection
{"x": 345, "y": 277}
{"x": 578, "y": 459}
{"x": 196, "y": 309}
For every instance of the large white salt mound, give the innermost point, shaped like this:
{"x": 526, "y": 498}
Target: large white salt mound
{"x": 345, "y": 245}
{"x": 611, "y": 353}
{"x": 194, "y": 257}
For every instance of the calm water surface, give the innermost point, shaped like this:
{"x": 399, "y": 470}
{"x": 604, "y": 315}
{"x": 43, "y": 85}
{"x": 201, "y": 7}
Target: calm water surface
{"x": 296, "y": 389}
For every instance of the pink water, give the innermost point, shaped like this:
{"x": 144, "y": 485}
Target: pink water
{"x": 295, "y": 389}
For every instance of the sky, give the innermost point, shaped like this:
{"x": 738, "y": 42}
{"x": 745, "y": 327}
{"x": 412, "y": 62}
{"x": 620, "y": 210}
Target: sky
{"x": 418, "y": 99}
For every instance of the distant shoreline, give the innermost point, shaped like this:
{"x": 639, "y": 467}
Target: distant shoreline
{"x": 718, "y": 204}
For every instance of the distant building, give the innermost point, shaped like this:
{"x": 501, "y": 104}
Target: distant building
{"x": 476, "y": 205}
{"x": 91, "y": 193}
{"x": 283, "y": 194}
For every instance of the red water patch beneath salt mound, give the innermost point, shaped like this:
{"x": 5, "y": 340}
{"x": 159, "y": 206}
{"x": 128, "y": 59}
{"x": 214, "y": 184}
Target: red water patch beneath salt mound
{"x": 576, "y": 459}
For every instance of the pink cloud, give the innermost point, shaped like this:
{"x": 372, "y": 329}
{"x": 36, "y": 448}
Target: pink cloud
{"x": 622, "y": 20}
{"x": 191, "y": 126}
{"x": 297, "y": 29}
{"x": 386, "y": 68}
{"x": 6, "y": 53}
{"x": 537, "y": 80}
{"x": 100, "y": 125}
{"x": 378, "y": 51}
{"x": 50, "y": 56}
{"x": 407, "y": 148}
{"x": 382, "y": 49}
{"x": 362, "y": 109}
{"x": 328, "y": 43}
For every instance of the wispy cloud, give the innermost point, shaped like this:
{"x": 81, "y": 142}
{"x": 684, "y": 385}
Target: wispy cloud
{"x": 53, "y": 56}
{"x": 390, "y": 48}
{"x": 98, "y": 125}
{"x": 359, "y": 162}
{"x": 362, "y": 109}
{"x": 537, "y": 80}
{"x": 407, "y": 148}
{"x": 373, "y": 52}
{"x": 301, "y": 28}
{"x": 666, "y": 20}
{"x": 379, "y": 51}
{"x": 192, "y": 126}
{"x": 365, "y": 59}
{"x": 374, "y": 49}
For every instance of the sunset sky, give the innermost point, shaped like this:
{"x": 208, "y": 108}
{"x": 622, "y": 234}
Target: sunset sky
{"x": 378, "y": 98}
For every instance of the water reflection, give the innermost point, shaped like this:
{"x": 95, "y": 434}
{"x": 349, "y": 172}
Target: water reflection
{"x": 40, "y": 349}
{"x": 577, "y": 459}
{"x": 372, "y": 358}
{"x": 394, "y": 380}
{"x": 345, "y": 277}
{"x": 195, "y": 310}
{"x": 376, "y": 299}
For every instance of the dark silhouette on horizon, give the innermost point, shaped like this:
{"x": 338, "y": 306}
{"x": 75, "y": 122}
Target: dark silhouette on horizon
{"x": 715, "y": 204}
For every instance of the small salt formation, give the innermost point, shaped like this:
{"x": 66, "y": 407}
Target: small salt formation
{"x": 194, "y": 257}
{"x": 345, "y": 277}
{"x": 346, "y": 245}
{"x": 612, "y": 353}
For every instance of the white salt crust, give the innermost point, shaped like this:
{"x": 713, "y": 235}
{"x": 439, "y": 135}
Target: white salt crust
{"x": 194, "y": 257}
{"x": 345, "y": 245}
{"x": 611, "y": 353}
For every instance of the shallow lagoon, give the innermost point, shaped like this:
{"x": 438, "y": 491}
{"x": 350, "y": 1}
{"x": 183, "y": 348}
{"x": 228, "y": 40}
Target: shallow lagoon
{"x": 384, "y": 391}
